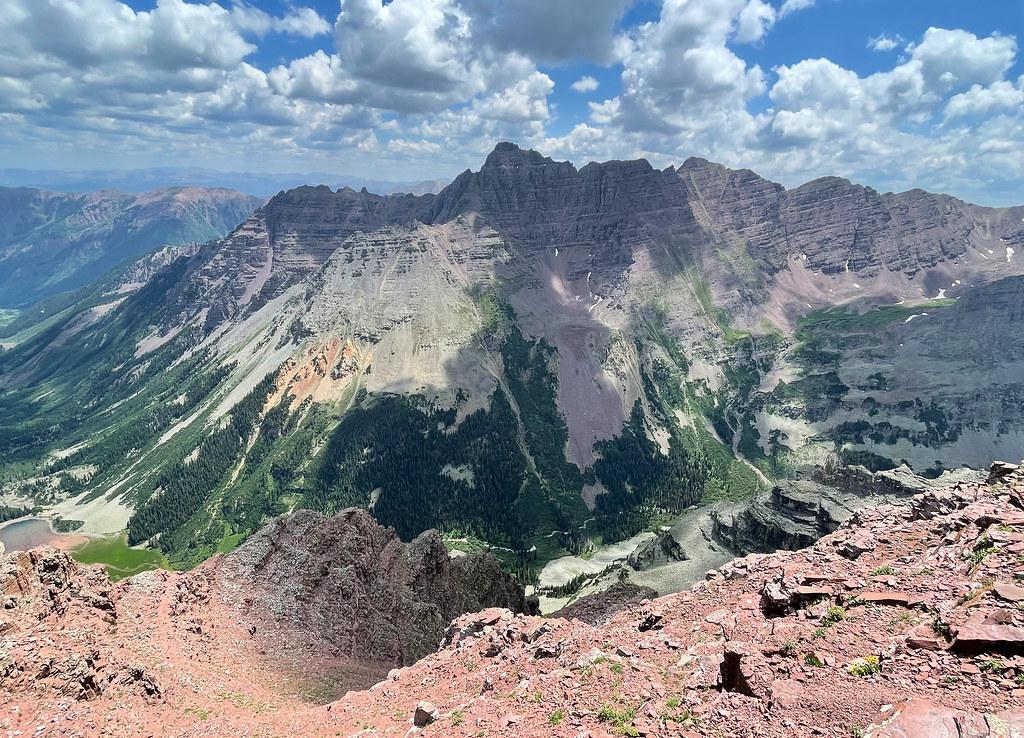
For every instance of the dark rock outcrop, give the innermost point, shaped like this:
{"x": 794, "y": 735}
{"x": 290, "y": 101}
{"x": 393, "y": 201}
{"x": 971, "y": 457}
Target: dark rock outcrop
{"x": 658, "y": 551}
{"x": 351, "y": 583}
{"x": 796, "y": 513}
{"x": 793, "y": 515}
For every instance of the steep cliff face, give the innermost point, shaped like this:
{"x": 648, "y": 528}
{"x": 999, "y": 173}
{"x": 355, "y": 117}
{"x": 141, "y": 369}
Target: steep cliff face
{"x": 352, "y": 585}
{"x": 53, "y": 242}
{"x": 598, "y": 214}
{"x": 278, "y": 246}
{"x": 835, "y": 226}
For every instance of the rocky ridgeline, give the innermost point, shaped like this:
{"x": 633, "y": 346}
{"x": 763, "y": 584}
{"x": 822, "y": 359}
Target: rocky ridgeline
{"x": 311, "y": 604}
{"x": 839, "y": 226}
{"x": 603, "y": 217}
{"x": 905, "y": 622}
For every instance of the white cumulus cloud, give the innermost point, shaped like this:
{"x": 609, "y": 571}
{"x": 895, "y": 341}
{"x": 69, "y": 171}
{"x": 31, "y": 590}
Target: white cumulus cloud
{"x": 425, "y": 87}
{"x": 885, "y": 42}
{"x": 792, "y": 6}
{"x": 586, "y": 83}
{"x": 754, "y": 21}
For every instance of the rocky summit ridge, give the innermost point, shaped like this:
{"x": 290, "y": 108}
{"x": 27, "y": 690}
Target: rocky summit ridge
{"x": 904, "y": 623}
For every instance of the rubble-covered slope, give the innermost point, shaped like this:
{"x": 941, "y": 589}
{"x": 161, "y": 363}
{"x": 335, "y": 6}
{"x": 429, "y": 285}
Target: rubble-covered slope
{"x": 307, "y": 608}
{"x": 904, "y": 622}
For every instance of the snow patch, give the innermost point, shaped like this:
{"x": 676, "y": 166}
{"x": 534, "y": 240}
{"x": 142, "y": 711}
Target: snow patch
{"x": 915, "y": 315}
{"x": 1009, "y": 254}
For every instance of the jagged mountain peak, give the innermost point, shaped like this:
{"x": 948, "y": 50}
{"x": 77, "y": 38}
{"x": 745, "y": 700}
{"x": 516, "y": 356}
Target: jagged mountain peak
{"x": 508, "y": 154}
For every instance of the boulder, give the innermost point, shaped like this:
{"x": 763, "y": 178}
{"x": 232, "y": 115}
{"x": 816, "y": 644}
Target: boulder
{"x": 425, "y": 714}
{"x": 992, "y": 631}
{"x": 745, "y": 670}
{"x": 858, "y": 543}
{"x": 1000, "y": 470}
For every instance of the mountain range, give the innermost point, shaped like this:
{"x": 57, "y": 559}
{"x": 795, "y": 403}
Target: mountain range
{"x": 538, "y": 357}
{"x": 261, "y": 184}
{"x": 54, "y": 242}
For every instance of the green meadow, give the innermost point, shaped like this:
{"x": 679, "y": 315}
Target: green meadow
{"x": 120, "y": 559}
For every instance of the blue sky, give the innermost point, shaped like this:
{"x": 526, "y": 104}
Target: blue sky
{"x": 895, "y": 94}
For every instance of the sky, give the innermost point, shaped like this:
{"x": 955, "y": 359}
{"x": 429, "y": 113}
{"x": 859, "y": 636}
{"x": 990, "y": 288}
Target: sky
{"x": 894, "y": 94}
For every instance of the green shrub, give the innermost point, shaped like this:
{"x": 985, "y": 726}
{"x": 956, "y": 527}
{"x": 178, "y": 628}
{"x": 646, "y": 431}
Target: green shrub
{"x": 834, "y": 615}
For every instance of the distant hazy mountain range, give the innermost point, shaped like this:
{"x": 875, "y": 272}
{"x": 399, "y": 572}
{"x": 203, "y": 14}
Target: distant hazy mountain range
{"x": 141, "y": 180}
{"x": 56, "y": 242}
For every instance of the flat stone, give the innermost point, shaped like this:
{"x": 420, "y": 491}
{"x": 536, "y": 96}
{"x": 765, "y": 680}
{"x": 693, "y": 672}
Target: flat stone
{"x": 901, "y": 599}
{"x": 807, "y": 592}
{"x": 1009, "y": 592}
{"x": 992, "y": 631}
{"x": 923, "y": 638}
{"x": 921, "y": 718}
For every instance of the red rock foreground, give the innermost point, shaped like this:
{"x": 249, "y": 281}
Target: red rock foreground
{"x": 907, "y": 622}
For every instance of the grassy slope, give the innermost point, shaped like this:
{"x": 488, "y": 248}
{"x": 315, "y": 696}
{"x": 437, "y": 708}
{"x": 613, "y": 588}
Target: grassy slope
{"x": 120, "y": 560}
